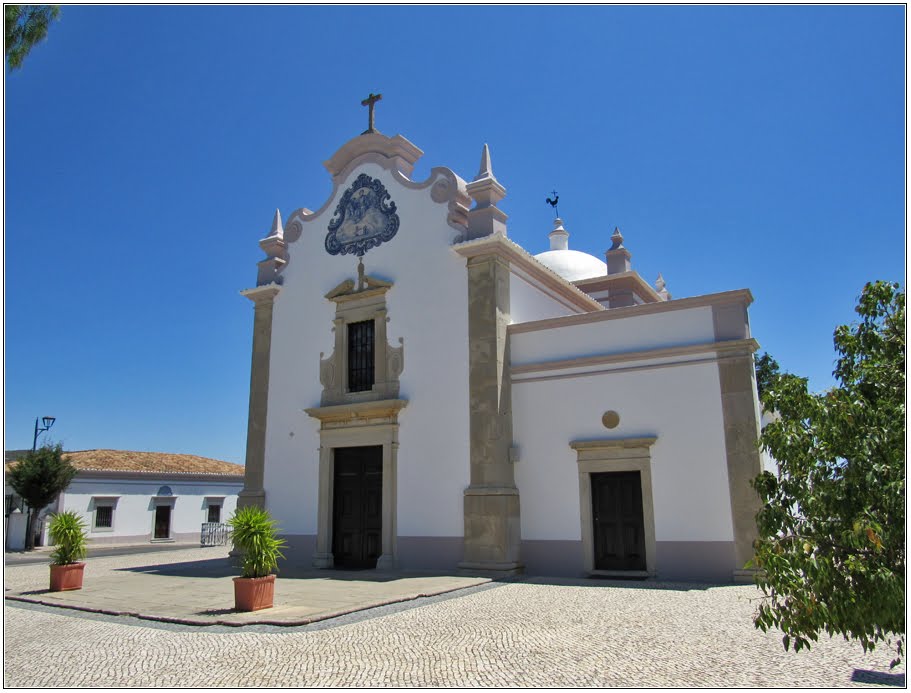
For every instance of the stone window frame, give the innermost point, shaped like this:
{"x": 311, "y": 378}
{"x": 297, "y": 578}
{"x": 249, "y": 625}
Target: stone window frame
{"x": 213, "y": 501}
{"x": 103, "y": 502}
{"x": 615, "y": 455}
{"x": 358, "y": 305}
{"x": 358, "y": 425}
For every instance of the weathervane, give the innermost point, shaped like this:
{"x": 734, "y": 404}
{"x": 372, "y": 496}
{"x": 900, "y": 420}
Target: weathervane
{"x": 553, "y": 202}
{"x": 370, "y": 101}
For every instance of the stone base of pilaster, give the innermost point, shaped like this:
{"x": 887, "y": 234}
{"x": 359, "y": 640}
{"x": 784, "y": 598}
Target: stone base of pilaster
{"x": 745, "y": 577}
{"x": 386, "y": 562}
{"x": 255, "y": 498}
{"x": 323, "y": 560}
{"x": 492, "y": 531}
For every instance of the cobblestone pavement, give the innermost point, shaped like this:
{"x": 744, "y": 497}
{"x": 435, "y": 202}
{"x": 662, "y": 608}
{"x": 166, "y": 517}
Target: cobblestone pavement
{"x": 534, "y": 633}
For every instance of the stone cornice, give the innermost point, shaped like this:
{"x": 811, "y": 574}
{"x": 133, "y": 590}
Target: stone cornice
{"x": 445, "y": 187}
{"x": 399, "y": 150}
{"x": 734, "y": 347}
{"x": 502, "y": 246}
{"x": 264, "y": 292}
{"x": 611, "y": 443}
{"x": 626, "y": 280}
{"x": 378, "y": 409}
{"x": 742, "y": 296}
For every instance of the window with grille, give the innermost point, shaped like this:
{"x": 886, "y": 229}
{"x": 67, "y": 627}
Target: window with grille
{"x": 214, "y": 513}
{"x": 104, "y": 517}
{"x": 360, "y": 356}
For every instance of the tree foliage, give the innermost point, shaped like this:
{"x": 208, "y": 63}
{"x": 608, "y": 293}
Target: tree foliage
{"x": 39, "y": 477}
{"x": 831, "y": 547}
{"x": 25, "y": 26}
{"x": 767, "y": 370}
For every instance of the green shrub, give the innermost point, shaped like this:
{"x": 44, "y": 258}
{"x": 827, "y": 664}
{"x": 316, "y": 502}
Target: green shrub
{"x": 67, "y": 530}
{"x": 255, "y": 536}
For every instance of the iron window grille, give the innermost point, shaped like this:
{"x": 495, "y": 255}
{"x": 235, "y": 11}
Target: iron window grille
{"x": 360, "y": 356}
{"x": 104, "y": 517}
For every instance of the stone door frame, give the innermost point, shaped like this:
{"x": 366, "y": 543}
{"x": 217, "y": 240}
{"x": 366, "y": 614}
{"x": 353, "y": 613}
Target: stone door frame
{"x": 615, "y": 455}
{"x": 350, "y": 426}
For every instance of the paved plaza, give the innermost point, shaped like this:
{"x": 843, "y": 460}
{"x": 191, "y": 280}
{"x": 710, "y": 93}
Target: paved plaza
{"x": 463, "y": 631}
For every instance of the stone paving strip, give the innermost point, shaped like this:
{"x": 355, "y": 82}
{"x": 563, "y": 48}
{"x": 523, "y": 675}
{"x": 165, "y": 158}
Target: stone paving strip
{"x": 533, "y": 633}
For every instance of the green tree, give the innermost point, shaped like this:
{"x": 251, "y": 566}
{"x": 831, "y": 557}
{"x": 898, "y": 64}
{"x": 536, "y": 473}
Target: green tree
{"x": 25, "y": 26}
{"x": 767, "y": 370}
{"x": 39, "y": 477}
{"x": 831, "y": 547}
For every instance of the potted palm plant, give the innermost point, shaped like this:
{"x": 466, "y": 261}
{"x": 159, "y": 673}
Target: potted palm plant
{"x": 67, "y": 531}
{"x": 256, "y": 537}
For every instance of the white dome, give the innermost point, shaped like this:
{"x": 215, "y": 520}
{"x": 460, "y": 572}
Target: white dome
{"x": 572, "y": 265}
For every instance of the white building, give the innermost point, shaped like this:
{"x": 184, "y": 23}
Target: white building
{"x": 426, "y": 394}
{"x": 134, "y": 497}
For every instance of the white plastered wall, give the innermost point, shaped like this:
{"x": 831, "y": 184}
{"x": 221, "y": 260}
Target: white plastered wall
{"x": 665, "y": 329}
{"x": 679, "y": 404}
{"x": 427, "y": 306}
{"x": 527, "y": 302}
{"x": 134, "y": 513}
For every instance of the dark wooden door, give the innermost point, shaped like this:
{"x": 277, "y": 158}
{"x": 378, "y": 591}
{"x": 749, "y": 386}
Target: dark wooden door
{"x": 619, "y": 531}
{"x": 357, "y": 507}
{"x": 162, "y": 521}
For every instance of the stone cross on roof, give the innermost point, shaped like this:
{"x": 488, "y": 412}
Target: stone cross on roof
{"x": 370, "y": 101}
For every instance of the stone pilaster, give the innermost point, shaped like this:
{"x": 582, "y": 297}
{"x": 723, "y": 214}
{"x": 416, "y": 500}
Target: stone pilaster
{"x": 741, "y": 436}
{"x": 253, "y": 493}
{"x": 491, "y": 502}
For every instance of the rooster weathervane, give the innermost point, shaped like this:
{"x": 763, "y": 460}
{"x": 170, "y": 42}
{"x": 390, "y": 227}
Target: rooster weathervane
{"x": 553, "y": 202}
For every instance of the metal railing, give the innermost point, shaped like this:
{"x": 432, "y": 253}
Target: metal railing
{"x": 215, "y": 534}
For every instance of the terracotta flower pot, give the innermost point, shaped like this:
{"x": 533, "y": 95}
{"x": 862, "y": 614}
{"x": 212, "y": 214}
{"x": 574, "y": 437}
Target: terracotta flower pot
{"x": 253, "y": 594}
{"x": 66, "y": 577}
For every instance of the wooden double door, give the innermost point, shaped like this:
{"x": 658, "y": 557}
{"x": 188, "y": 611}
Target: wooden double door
{"x": 357, "y": 507}
{"x": 617, "y": 521}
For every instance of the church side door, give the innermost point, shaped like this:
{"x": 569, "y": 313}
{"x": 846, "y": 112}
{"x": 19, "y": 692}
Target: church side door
{"x": 619, "y": 528}
{"x": 357, "y": 510}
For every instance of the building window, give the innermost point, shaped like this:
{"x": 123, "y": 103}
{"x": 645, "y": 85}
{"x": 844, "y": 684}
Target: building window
{"x": 104, "y": 516}
{"x": 214, "y": 513}
{"x": 13, "y": 502}
{"x": 360, "y": 356}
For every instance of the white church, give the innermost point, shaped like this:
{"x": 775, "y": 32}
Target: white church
{"x": 428, "y": 395}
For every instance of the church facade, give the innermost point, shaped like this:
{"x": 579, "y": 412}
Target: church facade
{"x": 427, "y": 395}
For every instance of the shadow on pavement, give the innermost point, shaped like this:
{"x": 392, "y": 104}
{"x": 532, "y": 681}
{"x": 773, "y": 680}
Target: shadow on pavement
{"x": 209, "y": 568}
{"x": 878, "y": 677}
{"x": 632, "y": 583}
{"x": 230, "y": 567}
{"x": 215, "y": 612}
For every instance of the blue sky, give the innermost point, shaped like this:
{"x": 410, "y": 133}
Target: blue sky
{"x": 146, "y": 149}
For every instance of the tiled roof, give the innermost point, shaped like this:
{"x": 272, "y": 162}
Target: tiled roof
{"x": 148, "y": 462}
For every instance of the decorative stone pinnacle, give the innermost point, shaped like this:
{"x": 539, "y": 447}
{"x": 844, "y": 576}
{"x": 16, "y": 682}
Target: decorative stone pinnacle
{"x": 485, "y": 170}
{"x": 277, "y": 229}
{"x": 660, "y": 283}
{"x": 485, "y": 218}
{"x": 616, "y": 239}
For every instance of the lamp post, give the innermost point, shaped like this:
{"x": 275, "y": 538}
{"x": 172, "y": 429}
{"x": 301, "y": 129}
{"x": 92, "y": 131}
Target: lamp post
{"x": 48, "y": 421}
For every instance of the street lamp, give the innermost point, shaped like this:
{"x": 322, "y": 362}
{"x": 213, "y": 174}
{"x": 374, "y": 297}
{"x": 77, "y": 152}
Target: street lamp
{"x": 48, "y": 421}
